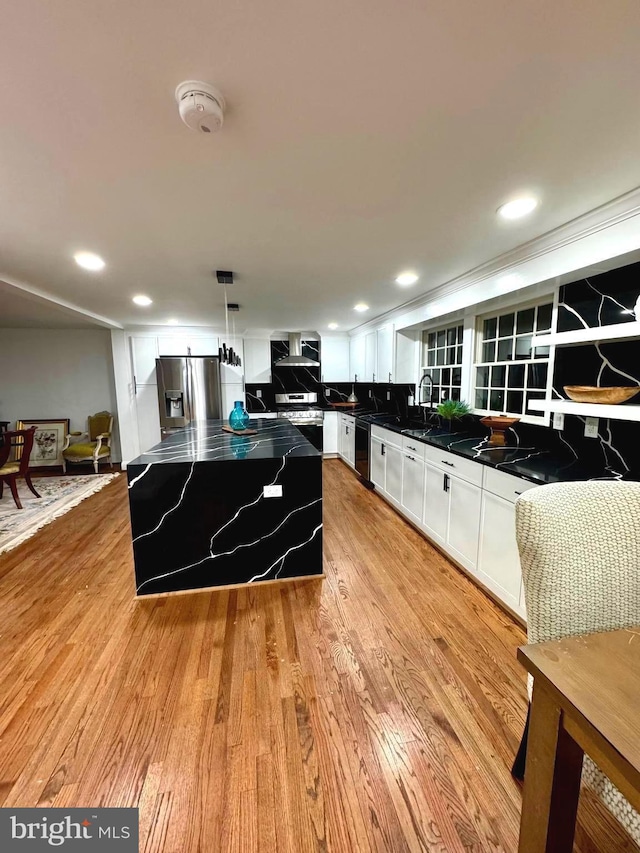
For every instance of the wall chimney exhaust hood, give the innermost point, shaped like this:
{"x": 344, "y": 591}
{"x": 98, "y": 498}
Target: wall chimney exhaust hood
{"x": 295, "y": 357}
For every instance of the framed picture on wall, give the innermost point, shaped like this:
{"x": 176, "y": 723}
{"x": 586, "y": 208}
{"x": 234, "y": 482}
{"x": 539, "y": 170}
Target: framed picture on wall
{"x": 47, "y": 443}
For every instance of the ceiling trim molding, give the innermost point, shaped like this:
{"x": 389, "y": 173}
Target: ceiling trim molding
{"x": 42, "y": 296}
{"x": 612, "y": 213}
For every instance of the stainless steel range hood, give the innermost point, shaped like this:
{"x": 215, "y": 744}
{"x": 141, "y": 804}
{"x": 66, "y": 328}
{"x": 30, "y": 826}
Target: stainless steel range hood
{"x": 295, "y": 357}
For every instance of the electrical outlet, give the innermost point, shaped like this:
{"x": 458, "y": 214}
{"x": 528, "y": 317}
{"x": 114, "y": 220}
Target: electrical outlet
{"x": 370, "y": 395}
{"x": 558, "y": 421}
{"x": 591, "y": 427}
{"x": 272, "y": 491}
{"x": 388, "y": 396}
{"x": 259, "y": 393}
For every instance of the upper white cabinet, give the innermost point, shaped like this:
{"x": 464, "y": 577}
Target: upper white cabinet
{"x": 406, "y": 357}
{"x": 357, "y": 359}
{"x": 334, "y": 359}
{"x": 385, "y": 354}
{"x": 178, "y": 345}
{"x": 144, "y": 351}
{"x": 257, "y": 360}
{"x": 370, "y": 356}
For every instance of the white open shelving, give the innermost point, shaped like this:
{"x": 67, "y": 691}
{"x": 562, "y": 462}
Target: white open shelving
{"x": 594, "y": 335}
{"x": 589, "y": 410}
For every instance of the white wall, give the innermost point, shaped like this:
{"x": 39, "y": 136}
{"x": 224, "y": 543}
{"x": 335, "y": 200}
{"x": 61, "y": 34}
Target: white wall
{"x": 57, "y": 373}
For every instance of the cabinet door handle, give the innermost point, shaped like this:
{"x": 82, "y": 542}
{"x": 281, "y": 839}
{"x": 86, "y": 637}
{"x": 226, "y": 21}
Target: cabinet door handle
{"x": 410, "y": 447}
{"x": 450, "y": 464}
{"x": 389, "y": 377}
{"x": 382, "y": 449}
{"x": 355, "y": 377}
{"x": 135, "y": 386}
{"x": 517, "y": 493}
{"x": 445, "y": 484}
{"x": 374, "y": 377}
{"x": 411, "y": 458}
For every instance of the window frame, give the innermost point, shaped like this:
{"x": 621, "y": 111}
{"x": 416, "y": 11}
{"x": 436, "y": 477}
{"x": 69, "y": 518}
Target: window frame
{"x": 477, "y": 361}
{"x": 460, "y": 345}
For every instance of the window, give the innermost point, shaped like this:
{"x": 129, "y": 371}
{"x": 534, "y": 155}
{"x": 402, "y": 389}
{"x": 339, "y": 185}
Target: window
{"x": 508, "y": 373}
{"x": 442, "y": 361}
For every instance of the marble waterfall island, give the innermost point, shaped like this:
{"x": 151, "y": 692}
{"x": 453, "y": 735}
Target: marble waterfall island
{"x": 212, "y": 509}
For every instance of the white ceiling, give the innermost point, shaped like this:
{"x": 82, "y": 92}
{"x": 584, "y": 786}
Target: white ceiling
{"x": 361, "y": 138}
{"x": 22, "y": 310}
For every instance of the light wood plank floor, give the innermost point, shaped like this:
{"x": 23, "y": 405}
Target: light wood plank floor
{"x": 378, "y": 709}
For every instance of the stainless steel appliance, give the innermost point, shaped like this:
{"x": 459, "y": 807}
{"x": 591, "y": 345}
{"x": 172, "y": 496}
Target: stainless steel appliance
{"x": 363, "y": 436}
{"x": 295, "y": 357}
{"x": 189, "y": 389}
{"x": 303, "y": 412}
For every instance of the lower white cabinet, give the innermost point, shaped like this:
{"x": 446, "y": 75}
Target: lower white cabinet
{"x": 393, "y": 473}
{"x": 465, "y": 508}
{"x": 347, "y": 440}
{"x": 412, "y": 486}
{"x": 465, "y": 500}
{"x": 377, "y": 463}
{"x": 436, "y": 503}
{"x": 330, "y": 433}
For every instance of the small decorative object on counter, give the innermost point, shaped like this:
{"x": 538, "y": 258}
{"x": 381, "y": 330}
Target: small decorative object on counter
{"x": 498, "y": 425}
{"x": 592, "y": 394}
{"x": 239, "y": 417}
{"x": 453, "y": 410}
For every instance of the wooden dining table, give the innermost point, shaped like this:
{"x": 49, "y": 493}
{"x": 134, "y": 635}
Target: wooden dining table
{"x": 586, "y": 699}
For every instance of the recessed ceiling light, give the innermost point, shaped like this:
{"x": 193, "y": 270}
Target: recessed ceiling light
{"x": 332, "y": 326}
{"x": 89, "y": 261}
{"x": 142, "y": 300}
{"x": 172, "y": 322}
{"x": 406, "y": 278}
{"x": 361, "y": 306}
{"x": 518, "y": 207}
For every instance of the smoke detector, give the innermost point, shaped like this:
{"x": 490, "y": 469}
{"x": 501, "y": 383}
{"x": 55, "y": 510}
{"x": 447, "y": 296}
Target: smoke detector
{"x": 201, "y": 106}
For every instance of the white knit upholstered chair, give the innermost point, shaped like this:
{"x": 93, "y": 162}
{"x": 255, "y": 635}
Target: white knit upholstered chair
{"x": 579, "y": 548}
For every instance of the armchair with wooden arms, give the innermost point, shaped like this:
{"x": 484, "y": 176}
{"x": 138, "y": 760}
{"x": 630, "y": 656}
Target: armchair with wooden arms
{"x": 91, "y": 446}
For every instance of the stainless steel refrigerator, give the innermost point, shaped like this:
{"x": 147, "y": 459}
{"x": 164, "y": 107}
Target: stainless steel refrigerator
{"x": 189, "y": 389}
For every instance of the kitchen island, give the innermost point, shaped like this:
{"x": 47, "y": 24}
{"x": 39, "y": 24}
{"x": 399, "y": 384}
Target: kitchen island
{"x": 211, "y": 509}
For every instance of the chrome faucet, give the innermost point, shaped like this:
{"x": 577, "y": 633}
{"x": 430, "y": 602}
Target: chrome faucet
{"x": 425, "y": 376}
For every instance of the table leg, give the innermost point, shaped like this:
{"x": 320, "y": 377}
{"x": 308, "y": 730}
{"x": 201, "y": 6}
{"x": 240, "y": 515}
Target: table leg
{"x": 551, "y": 780}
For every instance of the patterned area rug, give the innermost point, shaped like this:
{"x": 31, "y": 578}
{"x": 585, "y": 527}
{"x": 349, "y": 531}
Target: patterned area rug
{"x": 59, "y": 495}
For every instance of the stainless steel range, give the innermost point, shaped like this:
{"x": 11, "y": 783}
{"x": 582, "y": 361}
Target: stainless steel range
{"x": 303, "y": 412}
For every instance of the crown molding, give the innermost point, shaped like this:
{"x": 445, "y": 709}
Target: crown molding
{"x": 591, "y": 225}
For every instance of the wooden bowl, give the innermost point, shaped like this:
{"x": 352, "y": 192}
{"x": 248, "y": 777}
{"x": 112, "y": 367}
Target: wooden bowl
{"x": 591, "y": 394}
{"x": 498, "y": 424}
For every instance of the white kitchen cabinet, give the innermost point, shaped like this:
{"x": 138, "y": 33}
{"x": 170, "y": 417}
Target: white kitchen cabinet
{"x": 406, "y": 358}
{"x": 347, "y": 440}
{"x": 148, "y": 416}
{"x": 377, "y": 463}
{"x": 330, "y": 425}
{"x": 182, "y": 345}
{"x": 357, "y": 359}
{"x": 498, "y": 559}
{"x": 393, "y": 473}
{"x": 385, "y": 354}
{"x": 370, "y": 356}
{"x": 257, "y": 361}
{"x": 334, "y": 359}
{"x": 144, "y": 351}
{"x": 465, "y": 500}
{"x": 436, "y": 504}
{"x": 412, "y": 486}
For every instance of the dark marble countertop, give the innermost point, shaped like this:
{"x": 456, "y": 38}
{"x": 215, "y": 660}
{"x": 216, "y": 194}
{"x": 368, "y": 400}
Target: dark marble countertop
{"x": 205, "y": 441}
{"x": 531, "y": 463}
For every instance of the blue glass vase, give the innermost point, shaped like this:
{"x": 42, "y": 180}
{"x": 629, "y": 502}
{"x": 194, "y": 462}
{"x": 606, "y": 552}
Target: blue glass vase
{"x": 239, "y": 417}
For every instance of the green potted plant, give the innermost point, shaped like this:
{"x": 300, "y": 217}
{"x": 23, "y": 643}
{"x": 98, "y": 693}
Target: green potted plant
{"x": 453, "y": 410}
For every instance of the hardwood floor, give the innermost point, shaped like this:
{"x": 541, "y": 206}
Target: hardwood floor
{"x": 378, "y": 709}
